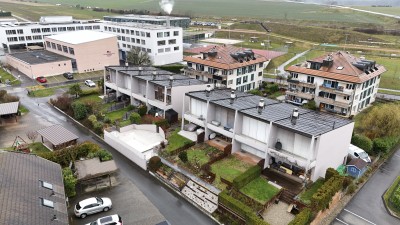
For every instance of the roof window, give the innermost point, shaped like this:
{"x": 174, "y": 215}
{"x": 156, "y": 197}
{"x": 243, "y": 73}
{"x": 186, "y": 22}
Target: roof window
{"x": 47, "y": 203}
{"x": 340, "y": 68}
{"x": 46, "y": 185}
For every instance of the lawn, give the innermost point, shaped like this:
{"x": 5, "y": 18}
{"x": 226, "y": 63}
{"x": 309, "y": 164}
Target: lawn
{"x": 116, "y": 114}
{"x": 306, "y": 195}
{"x": 260, "y": 190}
{"x": 176, "y": 141}
{"x": 6, "y": 76}
{"x": 38, "y": 147}
{"x": 389, "y": 196}
{"x": 228, "y": 168}
{"x": 389, "y": 92}
{"x": 40, "y": 91}
{"x": 391, "y": 78}
{"x": 200, "y": 154}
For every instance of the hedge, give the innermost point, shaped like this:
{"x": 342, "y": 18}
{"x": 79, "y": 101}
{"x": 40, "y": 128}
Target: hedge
{"x": 321, "y": 199}
{"x": 393, "y": 194}
{"x": 245, "y": 178}
{"x": 330, "y": 172}
{"x": 240, "y": 208}
{"x": 385, "y": 144}
{"x": 363, "y": 142}
{"x": 162, "y": 123}
{"x": 302, "y": 218}
{"x": 69, "y": 182}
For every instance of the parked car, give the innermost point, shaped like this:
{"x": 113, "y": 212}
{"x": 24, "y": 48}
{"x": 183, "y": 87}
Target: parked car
{"x": 41, "y": 79}
{"x": 90, "y": 83}
{"x": 107, "y": 220}
{"x": 68, "y": 76}
{"x": 92, "y": 206}
{"x": 356, "y": 152}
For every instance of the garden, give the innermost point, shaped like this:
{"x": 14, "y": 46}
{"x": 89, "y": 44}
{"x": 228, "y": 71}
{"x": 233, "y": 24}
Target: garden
{"x": 266, "y": 89}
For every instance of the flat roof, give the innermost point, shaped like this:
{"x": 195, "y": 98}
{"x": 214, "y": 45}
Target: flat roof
{"x": 8, "y": 108}
{"x": 146, "y": 26}
{"x": 178, "y": 82}
{"x": 82, "y": 36}
{"x": 215, "y": 94}
{"x": 139, "y": 140}
{"x": 57, "y": 134}
{"x": 38, "y": 57}
{"x": 146, "y": 17}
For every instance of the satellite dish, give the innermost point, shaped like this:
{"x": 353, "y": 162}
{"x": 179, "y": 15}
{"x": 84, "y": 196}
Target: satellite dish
{"x": 278, "y": 145}
{"x": 212, "y": 136}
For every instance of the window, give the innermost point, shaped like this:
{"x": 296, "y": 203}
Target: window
{"x": 167, "y": 49}
{"x": 143, "y": 42}
{"x": 310, "y": 79}
{"x": 138, "y": 41}
{"x": 11, "y": 32}
{"x": 20, "y": 31}
{"x": 137, "y": 33}
{"x": 176, "y": 33}
{"x": 230, "y": 81}
{"x": 160, "y": 43}
{"x": 245, "y": 79}
{"x": 127, "y": 39}
{"x": 47, "y": 203}
{"x": 37, "y": 37}
{"x": 79, "y": 28}
{"x": 123, "y": 31}
{"x": 65, "y": 49}
{"x": 123, "y": 38}
{"x": 48, "y": 44}
{"x": 132, "y": 32}
{"x": 59, "y": 48}
{"x": 142, "y": 34}
{"x": 36, "y": 30}
{"x": 71, "y": 51}
{"x": 45, "y": 30}
{"x": 251, "y": 77}
{"x": 147, "y": 34}
{"x": 88, "y": 28}
{"x": 166, "y": 34}
{"x": 71, "y": 28}
{"x": 133, "y": 40}
{"x": 21, "y": 38}
{"x": 97, "y": 27}
{"x": 172, "y": 41}
{"x": 259, "y": 74}
{"x": 124, "y": 45}
{"x": 46, "y": 185}
{"x": 148, "y": 50}
{"x": 346, "y": 97}
{"x": 160, "y": 50}
{"x": 62, "y": 29}
{"x": 350, "y": 86}
{"x": 12, "y": 39}
{"x": 128, "y": 46}
{"x": 54, "y": 29}
{"x": 294, "y": 75}
{"x": 28, "y": 38}
{"x": 239, "y": 71}
{"x": 238, "y": 80}
{"x": 176, "y": 48}
{"x": 53, "y": 46}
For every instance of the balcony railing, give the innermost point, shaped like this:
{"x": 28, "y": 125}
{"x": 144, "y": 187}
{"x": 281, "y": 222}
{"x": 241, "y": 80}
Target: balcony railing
{"x": 339, "y": 90}
{"x": 297, "y": 93}
{"x": 192, "y": 72}
{"x": 301, "y": 83}
{"x": 300, "y": 161}
{"x": 333, "y": 102}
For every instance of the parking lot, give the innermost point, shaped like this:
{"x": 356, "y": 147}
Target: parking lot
{"x": 128, "y": 202}
{"x": 77, "y": 76}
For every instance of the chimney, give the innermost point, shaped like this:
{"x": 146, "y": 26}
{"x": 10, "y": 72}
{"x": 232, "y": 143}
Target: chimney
{"x": 295, "y": 116}
{"x": 333, "y": 126}
{"x": 171, "y": 79}
{"x": 154, "y": 75}
{"x": 233, "y": 96}
{"x": 208, "y": 90}
{"x": 140, "y": 70}
{"x": 260, "y": 106}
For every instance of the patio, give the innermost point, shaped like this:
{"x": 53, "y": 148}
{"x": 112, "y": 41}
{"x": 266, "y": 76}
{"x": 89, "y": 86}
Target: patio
{"x": 289, "y": 182}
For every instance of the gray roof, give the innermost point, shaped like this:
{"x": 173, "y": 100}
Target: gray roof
{"x": 21, "y": 190}
{"x": 274, "y": 112}
{"x": 244, "y": 102}
{"x": 357, "y": 162}
{"x": 178, "y": 82}
{"x": 314, "y": 123}
{"x": 162, "y": 77}
{"x": 92, "y": 168}
{"x": 216, "y": 94}
{"x": 38, "y": 57}
{"x": 57, "y": 134}
{"x": 9, "y": 108}
{"x": 146, "y": 17}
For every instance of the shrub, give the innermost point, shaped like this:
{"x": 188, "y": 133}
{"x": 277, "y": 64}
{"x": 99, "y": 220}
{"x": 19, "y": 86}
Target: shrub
{"x": 130, "y": 107}
{"x": 380, "y": 145}
{"x": 154, "y": 163}
{"x": 62, "y": 102}
{"x": 162, "y": 123}
{"x": 347, "y": 181}
{"x": 75, "y": 90}
{"x": 98, "y": 127}
{"x": 363, "y": 142}
{"x": 352, "y": 188}
{"x": 92, "y": 118}
{"x": 80, "y": 111}
{"x": 183, "y": 156}
{"x": 103, "y": 155}
{"x": 330, "y": 172}
{"x": 69, "y": 182}
{"x": 310, "y": 105}
{"x": 172, "y": 68}
{"x": 245, "y": 178}
{"x": 302, "y": 218}
{"x": 91, "y": 91}
{"x": 255, "y": 92}
{"x": 107, "y": 120}
{"x": 321, "y": 199}
{"x": 142, "y": 110}
{"x": 135, "y": 118}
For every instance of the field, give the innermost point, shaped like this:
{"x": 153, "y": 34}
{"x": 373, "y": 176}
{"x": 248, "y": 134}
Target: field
{"x": 238, "y": 8}
{"x": 387, "y": 10}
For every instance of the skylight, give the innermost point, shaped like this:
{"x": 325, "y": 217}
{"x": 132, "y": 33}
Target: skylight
{"x": 47, "y": 203}
{"x": 47, "y": 185}
{"x": 340, "y": 68}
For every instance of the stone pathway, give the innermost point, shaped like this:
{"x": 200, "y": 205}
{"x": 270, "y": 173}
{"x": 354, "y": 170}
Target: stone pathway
{"x": 277, "y": 214}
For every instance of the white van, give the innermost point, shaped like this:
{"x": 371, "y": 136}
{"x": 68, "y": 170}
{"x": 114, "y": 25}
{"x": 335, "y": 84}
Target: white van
{"x": 356, "y": 152}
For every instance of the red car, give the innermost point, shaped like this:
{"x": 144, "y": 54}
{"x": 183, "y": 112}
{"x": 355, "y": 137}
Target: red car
{"x": 41, "y": 79}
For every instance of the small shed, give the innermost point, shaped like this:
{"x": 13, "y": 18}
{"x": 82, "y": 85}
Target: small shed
{"x": 356, "y": 167}
{"x": 9, "y": 110}
{"x": 58, "y": 137}
{"x": 89, "y": 170}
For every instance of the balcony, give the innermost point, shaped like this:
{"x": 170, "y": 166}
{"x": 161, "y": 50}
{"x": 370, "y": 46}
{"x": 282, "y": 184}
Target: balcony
{"x": 124, "y": 90}
{"x": 339, "y": 90}
{"x": 303, "y": 95}
{"x": 301, "y": 83}
{"x": 250, "y": 141}
{"x": 194, "y": 119}
{"x": 193, "y": 73}
{"x": 220, "y": 129}
{"x": 300, "y": 161}
{"x": 159, "y": 104}
{"x": 111, "y": 85}
{"x": 333, "y": 102}
{"x": 139, "y": 96}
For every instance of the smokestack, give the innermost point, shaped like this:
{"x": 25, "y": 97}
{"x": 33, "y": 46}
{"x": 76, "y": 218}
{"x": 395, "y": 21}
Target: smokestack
{"x": 233, "y": 96}
{"x": 295, "y": 116}
{"x": 260, "y": 106}
{"x": 208, "y": 90}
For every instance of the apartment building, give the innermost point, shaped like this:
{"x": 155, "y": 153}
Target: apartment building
{"x": 19, "y": 35}
{"x": 338, "y": 82}
{"x": 88, "y": 50}
{"x": 183, "y": 22}
{"x": 159, "y": 90}
{"x": 301, "y": 141}
{"x": 227, "y": 66}
{"x": 162, "y": 43}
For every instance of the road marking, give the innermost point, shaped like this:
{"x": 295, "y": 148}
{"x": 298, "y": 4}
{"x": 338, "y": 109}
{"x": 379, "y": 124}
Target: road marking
{"x": 342, "y": 221}
{"x": 397, "y": 155}
{"x": 359, "y": 216}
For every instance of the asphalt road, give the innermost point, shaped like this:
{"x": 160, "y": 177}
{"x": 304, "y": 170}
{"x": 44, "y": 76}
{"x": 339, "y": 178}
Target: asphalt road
{"x": 367, "y": 206}
{"x": 173, "y": 207}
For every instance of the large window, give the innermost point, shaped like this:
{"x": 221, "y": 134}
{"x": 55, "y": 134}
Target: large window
{"x": 176, "y": 33}
{"x": 65, "y": 49}
{"x": 160, "y": 43}
{"x": 238, "y": 80}
{"x": 159, "y": 34}
{"x": 310, "y": 79}
{"x": 59, "y": 48}
{"x": 71, "y": 51}
{"x": 172, "y": 41}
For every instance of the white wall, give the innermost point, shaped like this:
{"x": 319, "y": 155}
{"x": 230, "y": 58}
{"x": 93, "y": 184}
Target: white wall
{"x": 178, "y": 93}
{"x": 256, "y": 129}
{"x": 198, "y": 107}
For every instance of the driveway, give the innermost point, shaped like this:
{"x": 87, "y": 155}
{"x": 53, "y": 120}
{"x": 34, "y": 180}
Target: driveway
{"x": 128, "y": 202}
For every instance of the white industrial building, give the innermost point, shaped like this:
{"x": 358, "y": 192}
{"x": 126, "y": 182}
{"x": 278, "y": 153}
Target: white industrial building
{"x": 162, "y": 43}
{"x": 299, "y": 142}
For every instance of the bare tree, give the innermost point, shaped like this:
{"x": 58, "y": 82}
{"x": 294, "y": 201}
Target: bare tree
{"x": 32, "y": 135}
{"x": 137, "y": 57}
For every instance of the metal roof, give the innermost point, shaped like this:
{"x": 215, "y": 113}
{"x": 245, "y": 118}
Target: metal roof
{"x": 92, "y": 168}
{"x": 244, "y": 102}
{"x": 178, "y": 82}
{"x": 274, "y": 112}
{"x": 21, "y": 190}
{"x": 82, "y": 36}
{"x": 215, "y": 94}
{"x": 57, "y": 134}
{"x": 8, "y": 108}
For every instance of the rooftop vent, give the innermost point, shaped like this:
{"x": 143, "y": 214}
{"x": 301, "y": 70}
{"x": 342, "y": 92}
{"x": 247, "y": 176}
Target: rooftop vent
{"x": 154, "y": 75}
{"x": 295, "y": 116}
{"x": 261, "y": 106}
{"x": 233, "y": 96}
{"x": 208, "y": 90}
{"x": 171, "y": 79}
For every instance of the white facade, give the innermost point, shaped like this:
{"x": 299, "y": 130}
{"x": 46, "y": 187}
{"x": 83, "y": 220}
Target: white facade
{"x": 306, "y": 145}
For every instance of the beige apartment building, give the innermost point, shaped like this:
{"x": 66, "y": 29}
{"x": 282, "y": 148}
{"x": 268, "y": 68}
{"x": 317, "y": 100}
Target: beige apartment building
{"x": 88, "y": 50}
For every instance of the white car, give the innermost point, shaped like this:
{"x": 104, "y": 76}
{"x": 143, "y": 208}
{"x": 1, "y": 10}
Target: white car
{"x": 107, "y": 220}
{"x": 92, "y": 206}
{"x": 90, "y": 83}
{"x": 356, "y": 152}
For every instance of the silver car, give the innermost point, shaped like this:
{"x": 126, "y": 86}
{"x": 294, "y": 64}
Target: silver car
{"x": 91, "y": 206}
{"x": 107, "y": 220}
{"x": 90, "y": 83}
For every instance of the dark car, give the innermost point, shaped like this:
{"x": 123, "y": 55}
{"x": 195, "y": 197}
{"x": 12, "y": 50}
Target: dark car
{"x": 41, "y": 79}
{"x": 68, "y": 76}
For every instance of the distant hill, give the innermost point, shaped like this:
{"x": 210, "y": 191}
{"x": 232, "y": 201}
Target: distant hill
{"x": 357, "y": 2}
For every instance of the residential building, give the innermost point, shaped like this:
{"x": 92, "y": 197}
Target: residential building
{"x": 21, "y": 34}
{"x": 295, "y": 140}
{"x": 339, "y": 83}
{"x": 39, "y": 63}
{"x": 32, "y": 190}
{"x": 183, "y": 22}
{"x": 162, "y": 43}
{"x": 227, "y": 66}
{"x": 159, "y": 90}
{"x": 88, "y": 50}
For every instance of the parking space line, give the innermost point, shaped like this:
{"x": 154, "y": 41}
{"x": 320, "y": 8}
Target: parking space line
{"x": 359, "y": 217}
{"x": 397, "y": 155}
{"x": 342, "y": 221}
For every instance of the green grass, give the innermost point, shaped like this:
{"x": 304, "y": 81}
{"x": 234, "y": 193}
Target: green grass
{"x": 38, "y": 148}
{"x": 260, "y": 190}
{"x": 116, "y": 114}
{"x": 391, "y": 78}
{"x": 388, "y": 194}
{"x": 6, "y": 76}
{"x": 125, "y": 123}
{"x": 23, "y": 109}
{"x": 387, "y": 10}
{"x": 43, "y": 92}
{"x": 176, "y": 141}
{"x": 228, "y": 168}
{"x": 389, "y": 92}
{"x": 306, "y": 195}
{"x": 202, "y": 154}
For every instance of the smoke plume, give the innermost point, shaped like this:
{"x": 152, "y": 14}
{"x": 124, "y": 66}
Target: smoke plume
{"x": 167, "y": 6}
